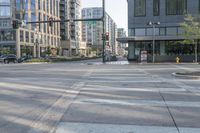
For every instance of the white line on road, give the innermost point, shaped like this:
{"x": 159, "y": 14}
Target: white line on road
{"x": 137, "y": 102}
{"x": 67, "y": 127}
{"x": 132, "y": 81}
{"x": 146, "y": 89}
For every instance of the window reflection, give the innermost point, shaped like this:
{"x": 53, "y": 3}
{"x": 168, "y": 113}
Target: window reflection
{"x": 7, "y": 35}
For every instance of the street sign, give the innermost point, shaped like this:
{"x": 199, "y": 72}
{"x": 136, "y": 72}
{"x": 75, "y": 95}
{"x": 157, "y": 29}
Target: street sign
{"x": 143, "y": 56}
{"x": 23, "y": 23}
{"x": 91, "y": 22}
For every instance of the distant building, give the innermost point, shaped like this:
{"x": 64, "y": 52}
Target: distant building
{"x": 33, "y": 39}
{"x": 170, "y": 13}
{"x": 121, "y": 46}
{"x": 71, "y": 32}
{"x": 92, "y": 31}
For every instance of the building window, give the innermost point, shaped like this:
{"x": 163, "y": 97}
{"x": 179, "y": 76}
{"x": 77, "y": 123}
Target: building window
{"x": 180, "y": 31}
{"x": 32, "y": 37}
{"x": 140, "y": 8}
{"x": 27, "y": 36}
{"x": 156, "y": 7}
{"x": 51, "y": 9}
{"x": 21, "y": 36}
{"x": 176, "y": 7}
{"x": 17, "y": 4}
{"x": 47, "y": 6}
{"x": 139, "y": 32}
{"x": 43, "y": 5}
{"x": 33, "y": 19}
{"x": 131, "y": 32}
{"x": 199, "y": 6}
{"x": 44, "y": 18}
{"x": 40, "y": 19}
{"x": 57, "y": 7}
{"x": 162, "y": 31}
{"x": 25, "y": 6}
{"x": 171, "y": 30}
{"x": 5, "y": 11}
{"x": 149, "y": 31}
{"x": 39, "y": 5}
{"x": 32, "y": 5}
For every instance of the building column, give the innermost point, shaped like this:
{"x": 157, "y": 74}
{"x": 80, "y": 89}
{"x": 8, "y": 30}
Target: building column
{"x": 131, "y": 51}
{"x": 162, "y": 47}
{"x": 34, "y": 51}
{"x": 38, "y": 49}
{"x": 18, "y": 50}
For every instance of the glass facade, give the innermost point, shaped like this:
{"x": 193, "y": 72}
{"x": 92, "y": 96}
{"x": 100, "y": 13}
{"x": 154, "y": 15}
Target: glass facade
{"x": 33, "y": 5}
{"x": 149, "y": 31}
{"x": 140, "y": 8}
{"x": 7, "y": 35}
{"x": 161, "y": 31}
{"x": 5, "y": 9}
{"x": 140, "y": 32}
{"x": 26, "y": 10}
{"x": 156, "y": 7}
{"x": 176, "y": 7}
{"x": 171, "y": 31}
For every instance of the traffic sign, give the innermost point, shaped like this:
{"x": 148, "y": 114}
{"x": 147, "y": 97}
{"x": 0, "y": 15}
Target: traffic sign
{"x": 23, "y": 23}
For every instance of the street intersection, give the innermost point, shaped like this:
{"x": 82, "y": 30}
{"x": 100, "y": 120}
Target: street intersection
{"x": 91, "y": 97}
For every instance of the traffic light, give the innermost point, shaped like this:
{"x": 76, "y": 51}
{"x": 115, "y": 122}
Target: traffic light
{"x": 103, "y": 37}
{"x": 51, "y": 22}
{"x": 15, "y": 24}
{"x": 107, "y": 36}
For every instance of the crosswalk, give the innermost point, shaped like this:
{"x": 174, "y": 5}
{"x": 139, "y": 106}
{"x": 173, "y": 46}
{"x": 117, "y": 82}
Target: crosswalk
{"x": 133, "y": 101}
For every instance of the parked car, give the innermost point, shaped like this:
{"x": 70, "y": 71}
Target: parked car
{"x": 8, "y": 58}
{"x": 24, "y": 58}
{"x": 114, "y": 58}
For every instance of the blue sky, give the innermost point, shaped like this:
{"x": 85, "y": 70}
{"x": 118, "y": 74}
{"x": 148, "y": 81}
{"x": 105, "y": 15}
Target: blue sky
{"x": 117, "y": 9}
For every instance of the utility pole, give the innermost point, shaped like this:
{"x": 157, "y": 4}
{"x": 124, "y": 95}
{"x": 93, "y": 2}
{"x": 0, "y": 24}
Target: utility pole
{"x": 153, "y": 24}
{"x": 103, "y": 21}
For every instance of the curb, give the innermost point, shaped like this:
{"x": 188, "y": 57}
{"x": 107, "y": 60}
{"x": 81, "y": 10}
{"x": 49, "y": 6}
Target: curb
{"x": 185, "y": 76}
{"x": 36, "y": 63}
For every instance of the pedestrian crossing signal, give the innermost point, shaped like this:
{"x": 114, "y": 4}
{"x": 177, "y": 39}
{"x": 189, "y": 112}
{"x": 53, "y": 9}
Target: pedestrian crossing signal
{"x": 15, "y": 24}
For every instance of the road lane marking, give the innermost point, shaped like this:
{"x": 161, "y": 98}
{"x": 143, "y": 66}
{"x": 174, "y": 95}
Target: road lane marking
{"x": 137, "y": 102}
{"x": 67, "y": 127}
{"x": 146, "y": 89}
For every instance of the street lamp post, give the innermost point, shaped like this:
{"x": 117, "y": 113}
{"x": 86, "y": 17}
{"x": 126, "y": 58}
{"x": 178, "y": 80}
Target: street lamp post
{"x": 36, "y": 43}
{"x": 103, "y": 21}
{"x": 153, "y": 24}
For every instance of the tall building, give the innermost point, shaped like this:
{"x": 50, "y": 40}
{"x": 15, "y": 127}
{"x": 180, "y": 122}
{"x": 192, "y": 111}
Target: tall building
{"x": 92, "y": 31}
{"x": 31, "y": 39}
{"x": 71, "y": 31}
{"x": 121, "y": 46}
{"x": 7, "y": 34}
{"x": 168, "y": 34}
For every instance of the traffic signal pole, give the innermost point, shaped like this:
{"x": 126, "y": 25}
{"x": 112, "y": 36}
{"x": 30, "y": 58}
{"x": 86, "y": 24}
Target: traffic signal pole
{"x": 103, "y": 23}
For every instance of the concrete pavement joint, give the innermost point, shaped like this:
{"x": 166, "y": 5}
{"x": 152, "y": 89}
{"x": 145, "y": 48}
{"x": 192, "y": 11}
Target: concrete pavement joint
{"x": 175, "y": 124}
{"x": 166, "y": 105}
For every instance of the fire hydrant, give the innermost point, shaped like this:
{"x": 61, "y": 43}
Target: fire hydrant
{"x": 177, "y": 60}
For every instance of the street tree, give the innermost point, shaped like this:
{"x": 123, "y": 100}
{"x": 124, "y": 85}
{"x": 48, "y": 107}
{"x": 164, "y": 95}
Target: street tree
{"x": 48, "y": 51}
{"x": 191, "y": 32}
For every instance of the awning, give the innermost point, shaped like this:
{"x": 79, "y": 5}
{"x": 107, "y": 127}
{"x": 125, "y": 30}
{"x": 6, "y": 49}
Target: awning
{"x": 148, "y": 38}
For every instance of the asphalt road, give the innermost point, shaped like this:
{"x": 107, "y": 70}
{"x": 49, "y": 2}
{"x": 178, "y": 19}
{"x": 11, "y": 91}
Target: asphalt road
{"x": 91, "y": 97}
